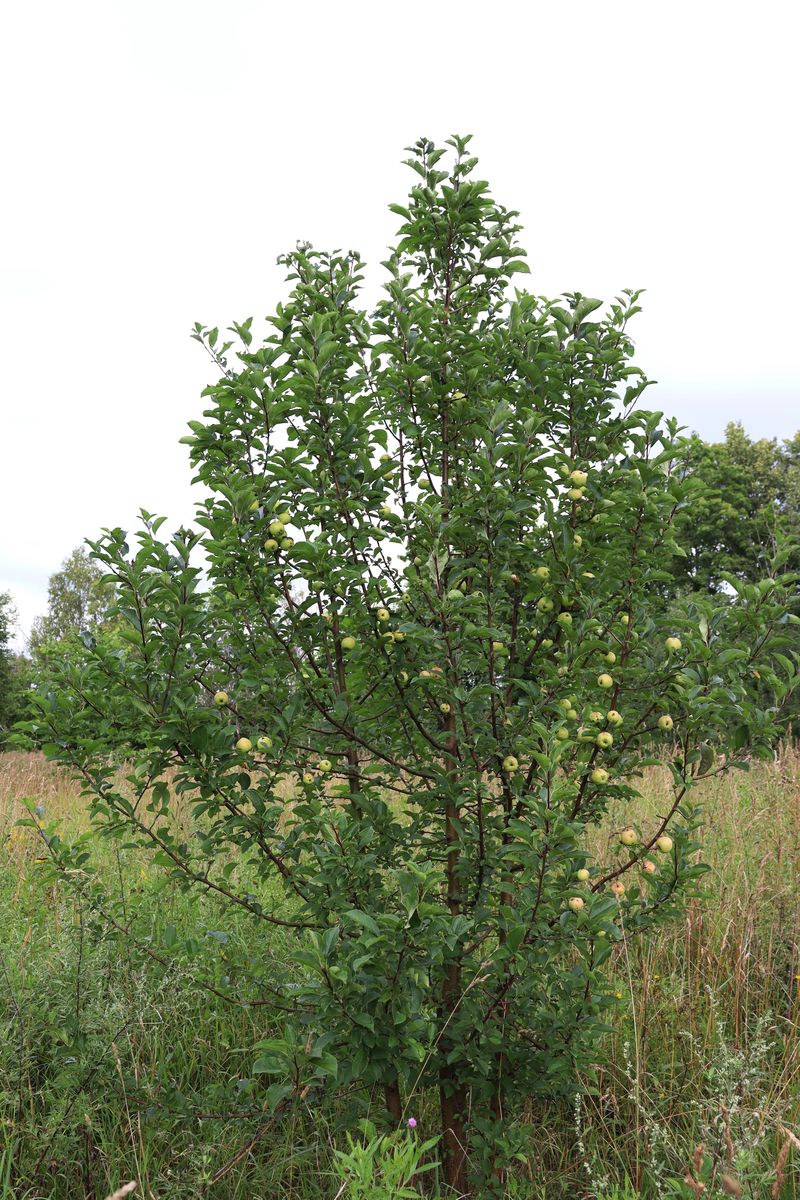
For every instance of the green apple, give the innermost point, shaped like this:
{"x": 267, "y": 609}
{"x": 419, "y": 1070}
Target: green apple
{"x": 386, "y": 510}
{"x": 628, "y": 837}
{"x": 324, "y": 765}
{"x": 599, "y": 775}
{"x": 287, "y": 543}
{"x": 498, "y": 648}
{"x": 308, "y": 777}
{"x": 277, "y": 529}
{"x": 582, "y": 875}
{"x": 673, "y": 643}
{"x": 572, "y": 714}
{"x": 270, "y": 544}
{"x": 382, "y": 614}
{"x": 455, "y": 595}
{"x": 562, "y": 733}
{"x": 510, "y": 764}
{"x": 665, "y": 722}
{"x": 348, "y": 643}
{"x": 544, "y": 604}
{"x": 399, "y": 636}
{"x": 576, "y": 903}
{"x": 542, "y": 572}
{"x": 604, "y": 740}
{"x": 575, "y": 493}
{"x": 564, "y": 618}
{"x": 578, "y": 478}
{"x": 220, "y": 698}
{"x": 264, "y": 743}
{"x": 605, "y": 681}
{"x": 610, "y": 657}
{"x": 403, "y": 677}
{"x": 444, "y": 708}
{"x": 594, "y": 715}
{"x": 547, "y": 643}
{"x": 613, "y": 717}
{"x": 624, "y": 618}
{"x": 244, "y": 745}
{"x": 578, "y": 540}
{"x": 664, "y": 843}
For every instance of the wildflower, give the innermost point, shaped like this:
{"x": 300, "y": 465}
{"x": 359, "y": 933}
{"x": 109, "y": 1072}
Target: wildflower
{"x": 412, "y": 1122}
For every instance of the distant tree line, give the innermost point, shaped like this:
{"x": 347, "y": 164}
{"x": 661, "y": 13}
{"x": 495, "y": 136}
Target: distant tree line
{"x": 751, "y": 506}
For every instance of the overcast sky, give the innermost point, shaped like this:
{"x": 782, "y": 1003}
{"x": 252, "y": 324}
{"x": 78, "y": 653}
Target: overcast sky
{"x": 157, "y": 157}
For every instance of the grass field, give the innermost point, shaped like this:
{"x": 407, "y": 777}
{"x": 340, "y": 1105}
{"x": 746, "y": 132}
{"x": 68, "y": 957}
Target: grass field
{"x": 115, "y": 1066}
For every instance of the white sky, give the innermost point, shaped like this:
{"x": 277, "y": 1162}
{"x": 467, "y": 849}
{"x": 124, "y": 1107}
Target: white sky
{"x": 157, "y": 157}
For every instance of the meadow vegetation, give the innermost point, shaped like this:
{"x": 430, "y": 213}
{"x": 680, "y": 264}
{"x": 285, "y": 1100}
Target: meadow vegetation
{"x": 115, "y": 1065}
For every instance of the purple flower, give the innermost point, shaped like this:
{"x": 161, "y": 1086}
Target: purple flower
{"x": 412, "y": 1122}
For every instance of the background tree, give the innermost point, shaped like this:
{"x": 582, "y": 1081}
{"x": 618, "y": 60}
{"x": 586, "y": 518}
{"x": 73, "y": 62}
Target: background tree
{"x": 432, "y": 539}
{"x": 77, "y": 601}
{"x": 752, "y": 496}
{"x": 14, "y": 673}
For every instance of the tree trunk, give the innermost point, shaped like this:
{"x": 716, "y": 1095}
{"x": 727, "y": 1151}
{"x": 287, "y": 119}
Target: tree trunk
{"x": 394, "y": 1105}
{"x": 454, "y": 1135}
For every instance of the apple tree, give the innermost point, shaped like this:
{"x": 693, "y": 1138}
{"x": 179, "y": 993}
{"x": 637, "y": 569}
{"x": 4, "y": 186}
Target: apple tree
{"x": 407, "y": 658}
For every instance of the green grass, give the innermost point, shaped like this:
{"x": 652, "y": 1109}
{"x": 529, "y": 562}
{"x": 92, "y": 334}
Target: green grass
{"x": 116, "y": 1067}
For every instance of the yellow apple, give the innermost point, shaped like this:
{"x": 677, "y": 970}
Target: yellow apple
{"x": 382, "y": 614}
{"x": 664, "y": 843}
{"x": 399, "y": 636}
{"x": 244, "y": 745}
{"x": 510, "y": 764}
{"x": 582, "y": 875}
{"x": 628, "y": 837}
{"x": 576, "y": 903}
{"x": 605, "y": 681}
{"x": 665, "y": 722}
{"x": 220, "y": 698}
{"x": 673, "y": 643}
{"x": 348, "y": 643}
{"x": 308, "y": 777}
{"x": 599, "y": 775}
{"x": 444, "y": 708}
